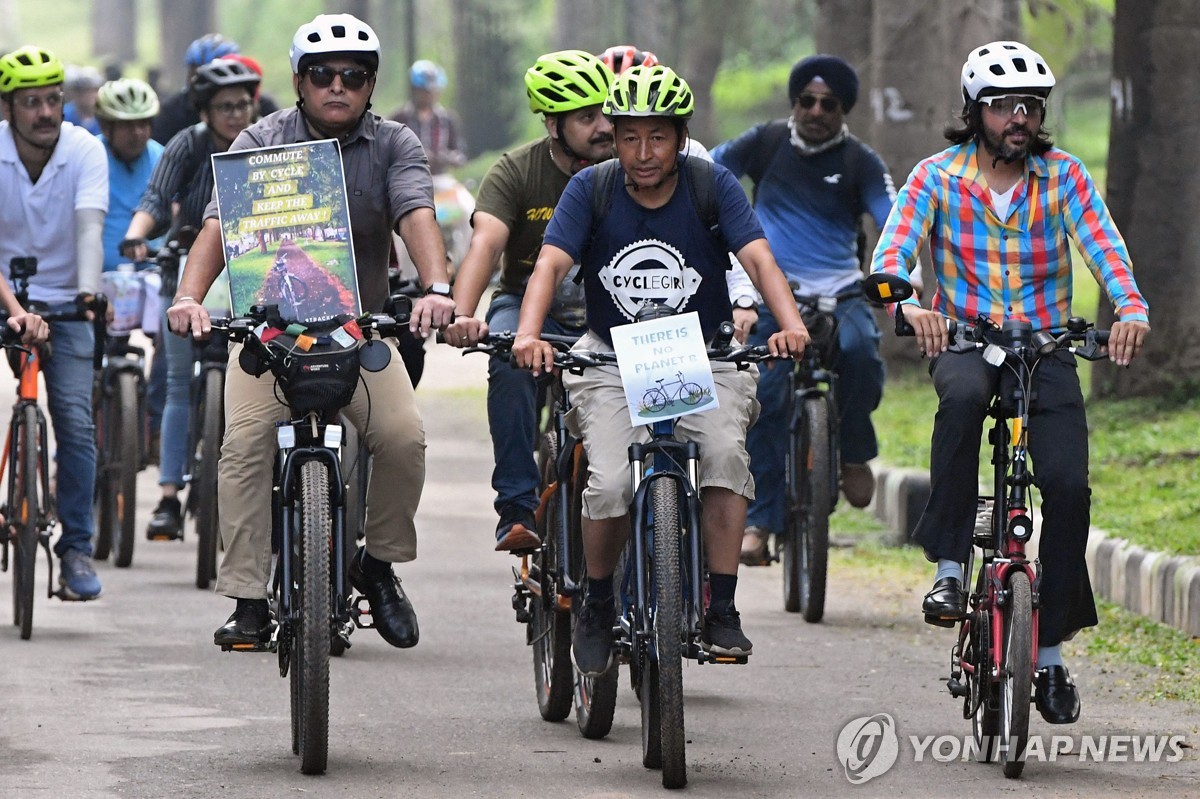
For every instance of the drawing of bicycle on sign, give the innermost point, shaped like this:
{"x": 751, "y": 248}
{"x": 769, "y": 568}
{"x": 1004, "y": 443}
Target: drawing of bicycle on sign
{"x": 656, "y": 398}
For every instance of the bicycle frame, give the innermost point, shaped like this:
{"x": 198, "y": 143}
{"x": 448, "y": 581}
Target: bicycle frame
{"x": 28, "y": 368}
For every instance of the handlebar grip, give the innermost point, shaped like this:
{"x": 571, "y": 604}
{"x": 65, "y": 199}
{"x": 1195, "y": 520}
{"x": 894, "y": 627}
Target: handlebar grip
{"x": 903, "y": 328}
{"x": 723, "y": 337}
{"x": 1102, "y": 337}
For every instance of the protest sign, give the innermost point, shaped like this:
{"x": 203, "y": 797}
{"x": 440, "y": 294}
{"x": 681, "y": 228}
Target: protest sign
{"x": 664, "y": 368}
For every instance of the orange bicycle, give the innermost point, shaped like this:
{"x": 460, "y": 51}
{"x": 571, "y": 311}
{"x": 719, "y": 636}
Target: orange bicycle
{"x": 28, "y": 510}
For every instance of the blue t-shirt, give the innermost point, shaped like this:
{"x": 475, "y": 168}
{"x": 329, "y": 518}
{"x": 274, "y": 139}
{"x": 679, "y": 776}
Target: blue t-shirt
{"x": 810, "y": 216}
{"x": 662, "y": 254}
{"x": 126, "y": 183}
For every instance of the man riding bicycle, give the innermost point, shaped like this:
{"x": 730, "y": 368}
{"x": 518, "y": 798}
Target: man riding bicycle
{"x": 334, "y": 61}
{"x": 438, "y": 128}
{"x": 1000, "y": 209}
{"x": 53, "y": 197}
{"x": 649, "y": 108}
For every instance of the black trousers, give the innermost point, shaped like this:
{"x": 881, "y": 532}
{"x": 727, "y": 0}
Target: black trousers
{"x": 1058, "y": 450}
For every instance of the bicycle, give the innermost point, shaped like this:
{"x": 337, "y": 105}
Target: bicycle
{"x": 28, "y": 510}
{"x": 658, "y": 397}
{"x": 122, "y": 433}
{"x": 993, "y": 661}
{"x": 310, "y": 591}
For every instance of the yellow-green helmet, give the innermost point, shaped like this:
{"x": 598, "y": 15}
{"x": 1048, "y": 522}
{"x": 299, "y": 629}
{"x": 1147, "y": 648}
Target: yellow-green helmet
{"x": 29, "y": 68}
{"x": 650, "y": 92}
{"x": 566, "y": 80}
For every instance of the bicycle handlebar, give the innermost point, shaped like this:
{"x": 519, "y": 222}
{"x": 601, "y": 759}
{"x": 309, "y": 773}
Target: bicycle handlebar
{"x": 1018, "y": 338}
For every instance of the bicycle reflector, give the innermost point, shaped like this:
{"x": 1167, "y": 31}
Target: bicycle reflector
{"x": 1020, "y": 527}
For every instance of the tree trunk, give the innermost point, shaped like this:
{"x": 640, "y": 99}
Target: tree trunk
{"x": 489, "y": 83}
{"x": 114, "y": 30}
{"x": 584, "y": 25}
{"x": 1152, "y": 191}
{"x": 180, "y": 23}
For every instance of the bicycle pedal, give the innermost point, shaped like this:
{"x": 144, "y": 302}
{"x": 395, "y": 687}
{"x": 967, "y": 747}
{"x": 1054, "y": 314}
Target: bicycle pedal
{"x": 730, "y": 660}
{"x": 358, "y": 612}
{"x": 260, "y": 647}
{"x": 164, "y": 537}
{"x": 941, "y": 621}
{"x": 957, "y": 688}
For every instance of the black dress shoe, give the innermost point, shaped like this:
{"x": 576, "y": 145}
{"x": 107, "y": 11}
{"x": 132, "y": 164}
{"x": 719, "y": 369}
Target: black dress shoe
{"x": 946, "y": 603}
{"x": 391, "y": 611}
{"x": 250, "y": 624}
{"x": 1055, "y": 695}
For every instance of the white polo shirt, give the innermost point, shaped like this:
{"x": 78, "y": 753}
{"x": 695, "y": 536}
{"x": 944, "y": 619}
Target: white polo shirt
{"x": 38, "y": 219}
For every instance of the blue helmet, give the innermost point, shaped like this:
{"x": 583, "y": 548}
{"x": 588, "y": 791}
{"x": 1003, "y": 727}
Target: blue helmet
{"x": 208, "y": 47}
{"x": 425, "y": 74}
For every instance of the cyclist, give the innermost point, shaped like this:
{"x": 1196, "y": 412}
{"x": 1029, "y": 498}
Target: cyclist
{"x": 438, "y": 128}
{"x": 1000, "y": 208}
{"x": 178, "y": 112}
{"x": 334, "y": 63}
{"x": 83, "y": 86}
{"x": 813, "y": 182}
{"x": 53, "y": 197}
{"x": 222, "y": 92}
{"x": 649, "y": 108}
{"x": 126, "y": 108}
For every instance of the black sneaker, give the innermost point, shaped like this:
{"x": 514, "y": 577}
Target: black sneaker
{"x": 517, "y": 531}
{"x": 166, "y": 523}
{"x": 722, "y": 633}
{"x": 250, "y": 624}
{"x": 592, "y": 638}
{"x": 391, "y": 611}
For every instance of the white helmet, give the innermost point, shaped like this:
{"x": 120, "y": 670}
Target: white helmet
{"x": 1005, "y": 65}
{"x": 334, "y": 33}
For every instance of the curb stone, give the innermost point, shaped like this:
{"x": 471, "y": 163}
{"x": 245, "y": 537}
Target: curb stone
{"x": 1162, "y": 587}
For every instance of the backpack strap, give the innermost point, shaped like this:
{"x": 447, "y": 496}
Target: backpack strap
{"x": 701, "y": 187}
{"x": 771, "y": 139}
{"x": 852, "y": 156}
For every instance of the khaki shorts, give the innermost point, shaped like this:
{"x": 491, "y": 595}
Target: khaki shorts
{"x": 600, "y": 416}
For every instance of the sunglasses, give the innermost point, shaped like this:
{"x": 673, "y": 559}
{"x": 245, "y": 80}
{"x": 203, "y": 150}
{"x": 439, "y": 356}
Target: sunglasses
{"x": 353, "y": 78}
{"x": 828, "y": 104}
{"x": 1012, "y": 104}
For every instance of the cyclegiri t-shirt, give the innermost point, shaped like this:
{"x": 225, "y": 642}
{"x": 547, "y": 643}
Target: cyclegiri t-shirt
{"x": 665, "y": 254}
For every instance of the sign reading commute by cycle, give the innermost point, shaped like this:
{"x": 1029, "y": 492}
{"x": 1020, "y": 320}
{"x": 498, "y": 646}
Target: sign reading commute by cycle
{"x": 285, "y": 225}
{"x": 664, "y": 368}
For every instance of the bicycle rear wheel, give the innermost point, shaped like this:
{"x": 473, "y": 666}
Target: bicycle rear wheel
{"x": 25, "y": 509}
{"x": 549, "y": 630}
{"x": 806, "y": 548}
{"x": 204, "y": 476}
{"x": 663, "y": 743}
{"x": 1016, "y": 674}
{"x": 126, "y": 447}
{"x": 311, "y": 625}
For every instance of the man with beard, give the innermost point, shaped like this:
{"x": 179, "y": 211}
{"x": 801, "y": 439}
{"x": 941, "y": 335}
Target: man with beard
{"x": 1000, "y": 209}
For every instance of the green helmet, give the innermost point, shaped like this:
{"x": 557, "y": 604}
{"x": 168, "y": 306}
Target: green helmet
{"x": 650, "y": 92}
{"x": 126, "y": 99}
{"x": 28, "y": 68}
{"x": 566, "y": 80}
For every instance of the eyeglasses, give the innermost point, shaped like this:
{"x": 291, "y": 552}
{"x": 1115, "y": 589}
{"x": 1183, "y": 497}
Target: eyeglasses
{"x": 828, "y": 104}
{"x": 233, "y": 109}
{"x": 353, "y": 78}
{"x": 1012, "y": 104}
{"x": 33, "y": 102}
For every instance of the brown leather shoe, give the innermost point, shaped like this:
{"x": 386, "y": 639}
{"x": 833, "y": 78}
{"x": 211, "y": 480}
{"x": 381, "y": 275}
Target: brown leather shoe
{"x": 516, "y": 532}
{"x": 858, "y": 484}
{"x": 754, "y": 547}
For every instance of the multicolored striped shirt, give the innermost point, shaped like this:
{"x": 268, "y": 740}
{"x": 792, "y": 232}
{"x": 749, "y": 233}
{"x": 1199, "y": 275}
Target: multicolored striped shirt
{"x": 1013, "y": 268}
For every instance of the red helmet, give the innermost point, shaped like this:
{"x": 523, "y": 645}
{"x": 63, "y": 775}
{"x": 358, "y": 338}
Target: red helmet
{"x": 621, "y": 57}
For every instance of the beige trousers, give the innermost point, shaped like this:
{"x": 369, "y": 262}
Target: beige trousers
{"x": 384, "y": 409}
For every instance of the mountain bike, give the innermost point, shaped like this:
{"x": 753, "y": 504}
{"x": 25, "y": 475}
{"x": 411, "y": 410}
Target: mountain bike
{"x": 310, "y": 592}
{"x": 548, "y": 580}
{"x": 28, "y": 510}
{"x": 993, "y": 661}
{"x": 122, "y": 435}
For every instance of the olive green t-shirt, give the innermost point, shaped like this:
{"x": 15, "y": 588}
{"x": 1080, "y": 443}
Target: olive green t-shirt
{"x": 521, "y": 190}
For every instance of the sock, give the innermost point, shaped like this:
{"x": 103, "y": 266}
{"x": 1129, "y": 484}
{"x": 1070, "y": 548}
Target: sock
{"x": 600, "y": 589}
{"x": 372, "y": 565}
{"x": 723, "y": 587}
{"x": 1049, "y": 656}
{"x": 948, "y": 568}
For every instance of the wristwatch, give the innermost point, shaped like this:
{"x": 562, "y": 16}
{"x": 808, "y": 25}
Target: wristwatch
{"x": 745, "y": 301}
{"x": 440, "y": 289}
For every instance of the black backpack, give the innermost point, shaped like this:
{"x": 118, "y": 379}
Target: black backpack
{"x": 774, "y": 136}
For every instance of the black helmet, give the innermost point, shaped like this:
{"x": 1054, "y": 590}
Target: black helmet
{"x": 218, "y": 74}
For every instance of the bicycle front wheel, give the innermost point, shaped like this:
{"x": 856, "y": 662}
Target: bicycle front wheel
{"x": 310, "y": 629}
{"x": 204, "y": 477}
{"x": 24, "y": 509}
{"x": 663, "y": 743}
{"x": 806, "y": 548}
{"x": 1016, "y": 672}
{"x": 125, "y": 420}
